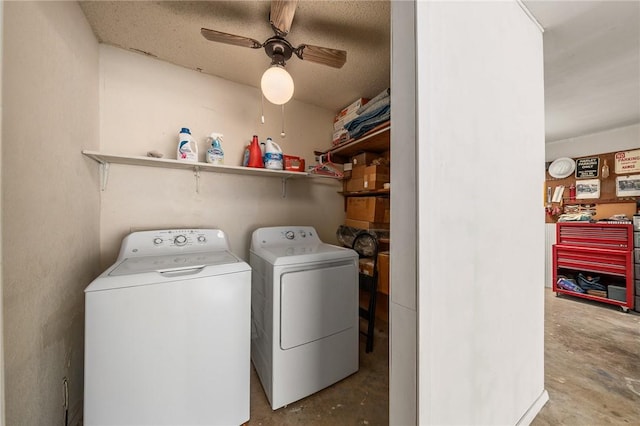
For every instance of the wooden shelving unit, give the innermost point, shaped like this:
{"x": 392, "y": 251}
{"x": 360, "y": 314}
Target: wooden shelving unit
{"x": 366, "y": 193}
{"x": 376, "y": 140}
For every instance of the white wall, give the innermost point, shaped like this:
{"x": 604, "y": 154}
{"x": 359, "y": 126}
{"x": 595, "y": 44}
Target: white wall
{"x": 50, "y": 206}
{"x": 403, "y": 301}
{"x": 2, "y": 416}
{"x": 144, "y": 103}
{"x": 480, "y": 147}
{"x": 620, "y": 139}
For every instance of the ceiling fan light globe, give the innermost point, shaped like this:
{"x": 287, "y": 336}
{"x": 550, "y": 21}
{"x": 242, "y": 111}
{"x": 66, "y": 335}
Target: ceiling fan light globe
{"x": 277, "y": 85}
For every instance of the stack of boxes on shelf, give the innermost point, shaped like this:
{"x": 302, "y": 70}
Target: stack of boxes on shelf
{"x": 366, "y": 187}
{"x": 636, "y": 258}
{"x": 369, "y": 173}
{"x": 344, "y": 117}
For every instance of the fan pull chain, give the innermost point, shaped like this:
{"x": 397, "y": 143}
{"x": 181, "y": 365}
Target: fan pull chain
{"x": 283, "y": 134}
{"x": 262, "y": 108}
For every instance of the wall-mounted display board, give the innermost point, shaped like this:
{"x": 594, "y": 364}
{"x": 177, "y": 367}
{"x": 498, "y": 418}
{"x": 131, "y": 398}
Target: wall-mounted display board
{"x": 601, "y": 183}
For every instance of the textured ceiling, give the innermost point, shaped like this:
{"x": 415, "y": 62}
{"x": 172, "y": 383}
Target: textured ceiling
{"x": 591, "y": 50}
{"x": 170, "y": 31}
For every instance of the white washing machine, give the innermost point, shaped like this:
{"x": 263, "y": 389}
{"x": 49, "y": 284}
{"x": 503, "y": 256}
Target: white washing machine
{"x": 304, "y": 303}
{"x": 167, "y": 333}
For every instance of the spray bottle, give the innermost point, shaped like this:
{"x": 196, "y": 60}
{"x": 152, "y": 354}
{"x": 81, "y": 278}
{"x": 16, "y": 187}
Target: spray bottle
{"x": 215, "y": 154}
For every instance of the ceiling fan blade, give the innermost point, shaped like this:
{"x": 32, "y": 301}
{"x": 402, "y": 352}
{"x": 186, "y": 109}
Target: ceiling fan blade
{"x": 281, "y": 16}
{"x": 322, "y": 55}
{"x": 236, "y": 40}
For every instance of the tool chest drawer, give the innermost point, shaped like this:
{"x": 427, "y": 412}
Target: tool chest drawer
{"x": 603, "y": 235}
{"x": 613, "y": 262}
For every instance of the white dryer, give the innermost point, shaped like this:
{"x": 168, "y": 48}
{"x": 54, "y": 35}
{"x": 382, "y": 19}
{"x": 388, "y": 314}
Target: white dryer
{"x": 167, "y": 333}
{"x": 304, "y": 303}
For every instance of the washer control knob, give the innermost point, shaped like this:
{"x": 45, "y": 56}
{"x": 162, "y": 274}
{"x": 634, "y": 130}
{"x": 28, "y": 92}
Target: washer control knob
{"x": 202, "y": 239}
{"x": 180, "y": 240}
{"x": 157, "y": 241}
{"x": 303, "y": 234}
{"x": 289, "y": 235}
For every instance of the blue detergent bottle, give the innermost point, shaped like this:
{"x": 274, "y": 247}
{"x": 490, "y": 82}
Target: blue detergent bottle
{"x": 187, "y": 146}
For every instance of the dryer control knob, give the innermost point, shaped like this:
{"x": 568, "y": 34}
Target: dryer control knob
{"x": 157, "y": 241}
{"x": 303, "y": 234}
{"x": 201, "y": 239}
{"x": 180, "y": 240}
{"x": 289, "y": 235}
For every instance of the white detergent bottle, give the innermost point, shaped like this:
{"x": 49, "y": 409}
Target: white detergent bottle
{"x": 187, "y": 146}
{"x": 272, "y": 155}
{"x": 215, "y": 154}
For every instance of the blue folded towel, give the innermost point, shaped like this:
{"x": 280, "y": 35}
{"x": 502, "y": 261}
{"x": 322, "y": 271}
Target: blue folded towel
{"x": 374, "y": 103}
{"x": 370, "y": 119}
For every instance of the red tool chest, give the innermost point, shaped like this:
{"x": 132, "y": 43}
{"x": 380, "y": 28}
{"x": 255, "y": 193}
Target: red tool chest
{"x": 596, "y": 249}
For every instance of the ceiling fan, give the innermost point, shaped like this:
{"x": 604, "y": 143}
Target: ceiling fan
{"x": 277, "y": 47}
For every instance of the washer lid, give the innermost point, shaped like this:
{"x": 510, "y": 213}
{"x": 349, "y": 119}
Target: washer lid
{"x": 169, "y": 263}
{"x": 157, "y": 270}
{"x": 295, "y": 254}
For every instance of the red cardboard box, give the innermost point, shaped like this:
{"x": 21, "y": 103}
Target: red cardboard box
{"x": 293, "y": 164}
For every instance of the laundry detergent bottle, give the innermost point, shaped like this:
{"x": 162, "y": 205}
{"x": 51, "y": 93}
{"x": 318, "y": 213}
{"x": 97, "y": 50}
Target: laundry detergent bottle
{"x": 215, "y": 154}
{"x": 272, "y": 155}
{"x": 187, "y": 146}
{"x": 255, "y": 154}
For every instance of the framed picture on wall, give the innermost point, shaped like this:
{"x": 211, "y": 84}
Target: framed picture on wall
{"x": 589, "y": 188}
{"x": 628, "y": 186}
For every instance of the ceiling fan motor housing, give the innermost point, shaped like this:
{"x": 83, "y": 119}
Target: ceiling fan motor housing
{"x": 278, "y": 49}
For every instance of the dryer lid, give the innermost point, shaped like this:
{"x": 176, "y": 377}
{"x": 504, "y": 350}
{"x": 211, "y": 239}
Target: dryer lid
{"x": 167, "y": 263}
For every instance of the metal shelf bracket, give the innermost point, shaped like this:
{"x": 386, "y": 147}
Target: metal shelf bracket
{"x": 104, "y": 175}
{"x": 284, "y": 187}
{"x": 196, "y": 173}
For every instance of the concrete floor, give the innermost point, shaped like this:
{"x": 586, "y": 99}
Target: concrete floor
{"x": 592, "y": 363}
{"x": 360, "y": 399}
{"x": 592, "y": 374}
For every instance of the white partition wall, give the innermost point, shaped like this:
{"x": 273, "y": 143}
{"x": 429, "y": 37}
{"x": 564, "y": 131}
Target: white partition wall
{"x": 403, "y": 302}
{"x": 479, "y": 226}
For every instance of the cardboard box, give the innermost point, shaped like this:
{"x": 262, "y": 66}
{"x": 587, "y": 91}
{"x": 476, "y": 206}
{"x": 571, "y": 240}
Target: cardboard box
{"x": 364, "y": 158}
{"x": 358, "y": 171}
{"x": 354, "y": 184}
{"x": 361, "y": 224}
{"x": 293, "y": 163}
{"x": 383, "y": 272}
{"x": 353, "y": 106}
{"x": 368, "y": 209}
{"x": 375, "y": 177}
{"x": 366, "y": 266}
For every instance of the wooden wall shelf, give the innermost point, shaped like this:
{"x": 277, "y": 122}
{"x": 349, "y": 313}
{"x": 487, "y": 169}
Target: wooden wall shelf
{"x": 376, "y": 140}
{"x": 365, "y": 193}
